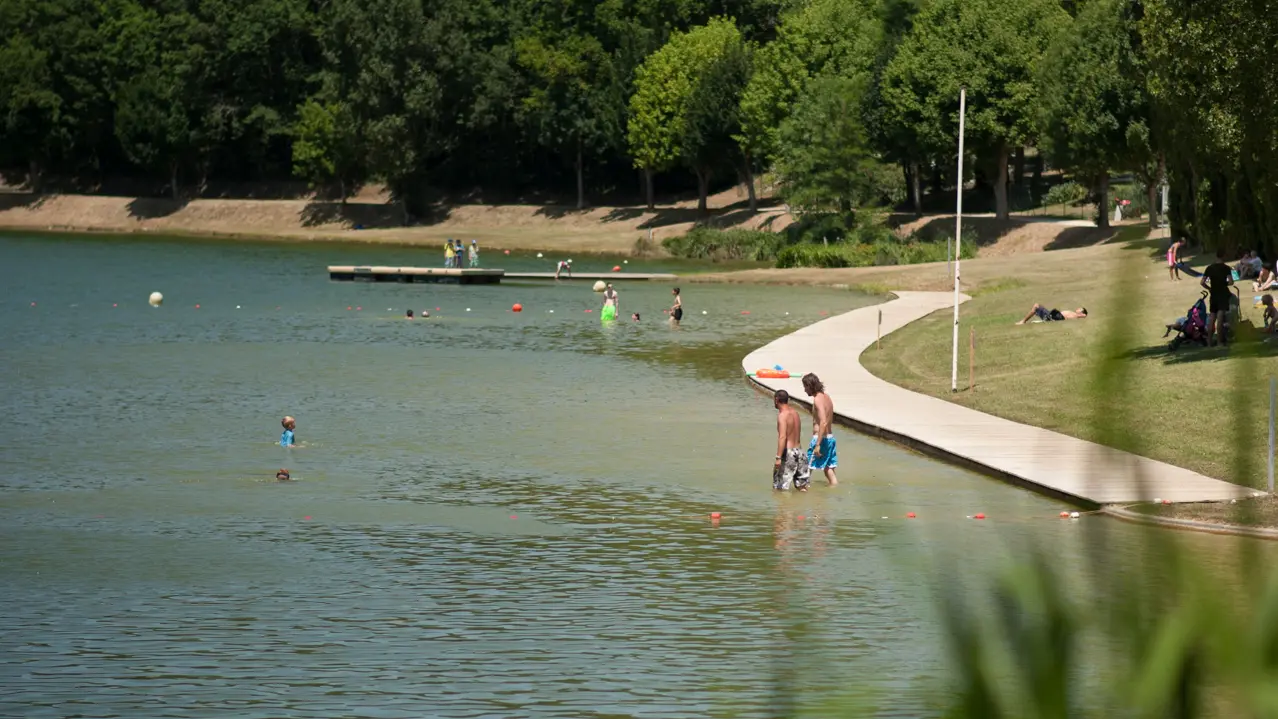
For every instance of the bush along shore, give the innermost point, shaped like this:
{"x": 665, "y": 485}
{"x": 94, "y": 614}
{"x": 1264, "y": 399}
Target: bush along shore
{"x": 817, "y": 242}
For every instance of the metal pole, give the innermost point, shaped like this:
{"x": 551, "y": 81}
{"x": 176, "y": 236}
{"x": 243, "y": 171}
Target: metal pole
{"x": 1273, "y": 387}
{"x": 879, "y": 335}
{"x": 958, "y": 237}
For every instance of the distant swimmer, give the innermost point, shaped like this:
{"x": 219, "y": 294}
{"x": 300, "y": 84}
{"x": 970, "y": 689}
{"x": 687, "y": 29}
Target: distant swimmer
{"x": 790, "y": 470}
{"x": 611, "y": 305}
{"x": 283, "y": 475}
{"x": 564, "y": 266}
{"x": 409, "y": 315}
{"x": 676, "y": 310}
{"x": 634, "y": 316}
{"x": 286, "y": 438}
{"x": 822, "y": 453}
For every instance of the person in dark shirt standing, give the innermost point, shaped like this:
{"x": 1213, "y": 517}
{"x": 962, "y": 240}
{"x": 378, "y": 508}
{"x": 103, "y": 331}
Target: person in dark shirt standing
{"x": 1216, "y": 280}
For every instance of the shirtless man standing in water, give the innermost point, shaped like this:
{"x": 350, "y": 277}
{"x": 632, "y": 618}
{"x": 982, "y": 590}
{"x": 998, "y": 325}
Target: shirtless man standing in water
{"x": 821, "y": 452}
{"x": 790, "y": 471}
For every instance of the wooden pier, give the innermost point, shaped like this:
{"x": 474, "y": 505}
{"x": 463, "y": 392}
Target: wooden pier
{"x": 358, "y": 273}
{"x": 592, "y": 276}
{"x": 373, "y": 273}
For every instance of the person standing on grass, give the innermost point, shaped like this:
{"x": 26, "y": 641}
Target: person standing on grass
{"x": 822, "y": 453}
{"x": 1217, "y": 279}
{"x": 1173, "y": 258}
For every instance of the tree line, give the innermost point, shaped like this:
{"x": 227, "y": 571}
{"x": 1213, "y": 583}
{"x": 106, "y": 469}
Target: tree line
{"x": 843, "y": 103}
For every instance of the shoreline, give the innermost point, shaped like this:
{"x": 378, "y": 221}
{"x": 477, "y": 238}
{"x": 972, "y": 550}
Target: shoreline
{"x": 811, "y": 346}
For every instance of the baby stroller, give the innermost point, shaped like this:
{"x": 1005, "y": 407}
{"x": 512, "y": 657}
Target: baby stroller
{"x": 1193, "y": 326}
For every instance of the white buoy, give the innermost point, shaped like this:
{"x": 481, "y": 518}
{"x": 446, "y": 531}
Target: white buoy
{"x": 1073, "y": 515}
{"x": 468, "y": 309}
{"x": 703, "y": 312}
{"x": 237, "y": 307}
{"x": 156, "y": 299}
{"x": 600, "y": 286}
{"x": 625, "y": 262}
{"x": 570, "y": 262}
{"x": 552, "y": 312}
{"x": 539, "y": 255}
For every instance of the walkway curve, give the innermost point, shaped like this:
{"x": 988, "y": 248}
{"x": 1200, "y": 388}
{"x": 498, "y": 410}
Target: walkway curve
{"x": 1071, "y": 469}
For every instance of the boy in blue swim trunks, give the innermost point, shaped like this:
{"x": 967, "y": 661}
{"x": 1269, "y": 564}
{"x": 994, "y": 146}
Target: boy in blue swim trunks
{"x": 286, "y": 437}
{"x": 822, "y": 453}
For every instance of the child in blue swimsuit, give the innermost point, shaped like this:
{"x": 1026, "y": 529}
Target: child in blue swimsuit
{"x": 286, "y": 438}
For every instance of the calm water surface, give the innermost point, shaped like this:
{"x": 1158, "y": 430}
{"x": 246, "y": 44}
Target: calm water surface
{"x": 496, "y": 514}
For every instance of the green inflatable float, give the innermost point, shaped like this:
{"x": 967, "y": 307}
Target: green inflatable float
{"x": 608, "y": 314}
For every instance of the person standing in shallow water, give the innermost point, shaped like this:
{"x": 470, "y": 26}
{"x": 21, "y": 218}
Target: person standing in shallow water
{"x": 822, "y": 453}
{"x": 790, "y": 470}
{"x": 676, "y": 310}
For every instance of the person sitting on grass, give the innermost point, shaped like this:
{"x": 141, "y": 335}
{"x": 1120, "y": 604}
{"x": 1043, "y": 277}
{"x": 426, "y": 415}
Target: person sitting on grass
{"x": 1045, "y": 315}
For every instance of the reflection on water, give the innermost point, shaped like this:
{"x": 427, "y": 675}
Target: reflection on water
{"x": 496, "y": 514}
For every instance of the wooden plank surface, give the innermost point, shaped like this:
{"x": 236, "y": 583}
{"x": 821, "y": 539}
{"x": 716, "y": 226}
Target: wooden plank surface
{"x": 1053, "y": 463}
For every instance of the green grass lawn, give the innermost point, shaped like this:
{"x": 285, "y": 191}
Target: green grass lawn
{"x": 1108, "y": 378}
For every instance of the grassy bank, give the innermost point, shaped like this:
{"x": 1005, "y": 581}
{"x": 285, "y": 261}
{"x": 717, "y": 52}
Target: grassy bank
{"x": 1177, "y": 407}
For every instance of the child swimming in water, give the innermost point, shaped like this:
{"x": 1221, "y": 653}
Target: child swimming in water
{"x": 283, "y": 476}
{"x": 286, "y": 437}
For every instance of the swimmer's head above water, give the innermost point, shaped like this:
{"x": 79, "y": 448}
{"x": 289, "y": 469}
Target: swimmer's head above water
{"x": 409, "y": 314}
{"x": 634, "y": 316}
{"x": 283, "y": 475}
{"x": 288, "y": 423}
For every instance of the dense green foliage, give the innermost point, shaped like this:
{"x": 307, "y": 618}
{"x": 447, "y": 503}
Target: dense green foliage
{"x": 849, "y": 103}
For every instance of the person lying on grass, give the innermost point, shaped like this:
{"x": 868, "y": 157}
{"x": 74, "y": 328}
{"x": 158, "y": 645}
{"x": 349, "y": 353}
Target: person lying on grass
{"x": 1045, "y": 315}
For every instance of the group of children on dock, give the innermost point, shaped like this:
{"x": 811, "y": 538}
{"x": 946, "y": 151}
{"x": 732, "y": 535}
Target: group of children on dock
{"x": 454, "y": 253}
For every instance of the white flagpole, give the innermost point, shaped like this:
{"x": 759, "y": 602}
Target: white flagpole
{"x": 958, "y": 234}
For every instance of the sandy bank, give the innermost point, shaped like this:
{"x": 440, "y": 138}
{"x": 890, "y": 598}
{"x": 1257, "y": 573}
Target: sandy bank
{"x": 611, "y": 230}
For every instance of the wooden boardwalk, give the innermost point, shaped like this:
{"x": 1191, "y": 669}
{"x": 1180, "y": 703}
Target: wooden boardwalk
{"x": 1072, "y": 469}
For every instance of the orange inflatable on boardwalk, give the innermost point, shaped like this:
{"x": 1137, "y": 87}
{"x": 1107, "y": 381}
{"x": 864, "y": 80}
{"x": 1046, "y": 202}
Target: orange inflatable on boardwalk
{"x": 772, "y": 374}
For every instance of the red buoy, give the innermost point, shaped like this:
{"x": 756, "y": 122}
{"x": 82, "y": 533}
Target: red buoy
{"x": 517, "y": 307}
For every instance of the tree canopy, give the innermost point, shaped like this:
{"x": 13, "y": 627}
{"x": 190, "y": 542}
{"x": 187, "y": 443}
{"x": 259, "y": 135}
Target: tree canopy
{"x": 478, "y": 98}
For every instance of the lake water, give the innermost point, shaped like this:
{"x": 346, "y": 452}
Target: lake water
{"x": 496, "y": 514}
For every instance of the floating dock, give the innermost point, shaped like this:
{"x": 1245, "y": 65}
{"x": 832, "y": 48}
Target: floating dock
{"x": 605, "y": 276}
{"x": 414, "y": 274}
{"x": 372, "y": 273}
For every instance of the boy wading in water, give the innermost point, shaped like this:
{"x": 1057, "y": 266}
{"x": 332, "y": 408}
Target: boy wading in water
{"x": 822, "y": 454}
{"x": 790, "y": 471}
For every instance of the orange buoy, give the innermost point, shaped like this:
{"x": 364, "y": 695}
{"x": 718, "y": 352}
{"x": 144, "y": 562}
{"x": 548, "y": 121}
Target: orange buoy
{"x": 978, "y": 516}
{"x": 772, "y": 374}
{"x": 508, "y": 252}
{"x": 517, "y": 308}
{"x": 745, "y": 312}
{"x": 714, "y": 515}
{"x": 616, "y": 268}
{"x": 909, "y": 515}
{"x": 1064, "y": 515}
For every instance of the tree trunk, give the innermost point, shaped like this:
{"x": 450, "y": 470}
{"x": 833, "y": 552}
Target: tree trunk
{"x": 34, "y": 179}
{"x": 647, "y": 188}
{"x": 581, "y": 179}
{"x": 1102, "y": 202}
{"x": 748, "y": 172}
{"x": 703, "y": 188}
{"x": 916, "y": 188}
{"x": 1151, "y": 204}
{"x": 1036, "y": 184}
{"x": 341, "y": 189}
{"x": 173, "y": 180}
{"x": 1000, "y": 184}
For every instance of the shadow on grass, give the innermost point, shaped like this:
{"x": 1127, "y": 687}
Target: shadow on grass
{"x": 14, "y": 200}
{"x": 364, "y": 215}
{"x": 151, "y": 208}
